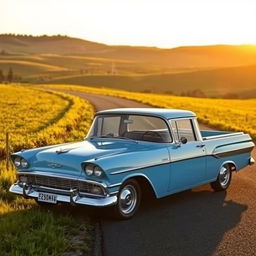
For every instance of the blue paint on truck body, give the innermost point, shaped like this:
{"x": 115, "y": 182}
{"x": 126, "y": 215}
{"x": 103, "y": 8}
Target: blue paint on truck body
{"x": 167, "y": 166}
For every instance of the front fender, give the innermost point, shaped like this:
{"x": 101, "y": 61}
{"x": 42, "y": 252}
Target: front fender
{"x": 157, "y": 176}
{"x": 134, "y": 176}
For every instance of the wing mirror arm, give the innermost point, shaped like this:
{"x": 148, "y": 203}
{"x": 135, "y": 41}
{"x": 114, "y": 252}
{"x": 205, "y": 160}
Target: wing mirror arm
{"x": 182, "y": 140}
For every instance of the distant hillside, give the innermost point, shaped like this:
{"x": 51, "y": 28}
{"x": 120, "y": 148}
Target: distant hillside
{"x": 20, "y": 44}
{"x": 225, "y": 82}
{"x": 216, "y": 70}
{"x": 188, "y": 57}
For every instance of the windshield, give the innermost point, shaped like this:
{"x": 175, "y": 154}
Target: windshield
{"x": 135, "y": 127}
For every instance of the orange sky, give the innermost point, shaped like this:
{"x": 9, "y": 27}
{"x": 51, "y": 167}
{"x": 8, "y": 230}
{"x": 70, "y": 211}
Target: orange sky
{"x": 162, "y": 23}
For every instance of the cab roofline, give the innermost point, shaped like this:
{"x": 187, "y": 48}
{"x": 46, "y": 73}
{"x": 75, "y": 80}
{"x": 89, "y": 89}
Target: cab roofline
{"x": 160, "y": 112}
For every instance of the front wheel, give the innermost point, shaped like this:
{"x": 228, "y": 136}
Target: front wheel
{"x": 223, "y": 180}
{"x": 129, "y": 198}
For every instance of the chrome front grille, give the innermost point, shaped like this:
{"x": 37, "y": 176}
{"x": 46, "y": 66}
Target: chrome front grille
{"x": 57, "y": 182}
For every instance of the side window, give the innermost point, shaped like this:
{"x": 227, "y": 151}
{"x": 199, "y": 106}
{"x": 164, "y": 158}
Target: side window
{"x": 183, "y": 128}
{"x": 108, "y": 125}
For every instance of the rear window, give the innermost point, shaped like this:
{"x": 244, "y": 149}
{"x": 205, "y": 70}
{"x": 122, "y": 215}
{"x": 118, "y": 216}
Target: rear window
{"x": 183, "y": 128}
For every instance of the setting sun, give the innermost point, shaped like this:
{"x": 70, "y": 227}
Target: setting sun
{"x": 160, "y": 23}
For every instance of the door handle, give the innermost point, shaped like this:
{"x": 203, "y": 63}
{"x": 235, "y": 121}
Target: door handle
{"x": 200, "y": 146}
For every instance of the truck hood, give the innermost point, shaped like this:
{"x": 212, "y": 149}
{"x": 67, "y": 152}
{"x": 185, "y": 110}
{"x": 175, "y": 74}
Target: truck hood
{"x": 66, "y": 159}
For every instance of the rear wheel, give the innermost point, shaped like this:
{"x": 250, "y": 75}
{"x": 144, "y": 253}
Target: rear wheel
{"x": 223, "y": 180}
{"x": 129, "y": 198}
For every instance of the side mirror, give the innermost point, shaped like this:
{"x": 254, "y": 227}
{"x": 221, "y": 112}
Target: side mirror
{"x": 183, "y": 140}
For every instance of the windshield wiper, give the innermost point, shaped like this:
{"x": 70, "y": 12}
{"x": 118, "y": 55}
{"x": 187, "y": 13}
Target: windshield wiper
{"x": 123, "y": 138}
{"x": 98, "y": 137}
{"x": 110, "y": 137}
{"x": 126, "y": 138}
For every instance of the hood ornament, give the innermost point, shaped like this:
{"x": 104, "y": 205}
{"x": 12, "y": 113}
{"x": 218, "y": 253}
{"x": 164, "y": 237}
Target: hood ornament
{"x": 62, "y": 150}
{"x": 54, "y": 165}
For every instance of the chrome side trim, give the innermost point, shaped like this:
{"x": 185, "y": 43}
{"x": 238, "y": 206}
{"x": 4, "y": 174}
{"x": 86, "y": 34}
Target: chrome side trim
{"x": 114, "y": 193}
{"x": 137, "y": 168}
{"x": 223, "y": 135}
{"x": 115, "y": 185}
{"x": 148, "y": 166}
{"x": 217, "y": 155}
{"x": 233, "y": 152}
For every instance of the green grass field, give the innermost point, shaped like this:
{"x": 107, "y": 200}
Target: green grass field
{"x": 36, "y": 118}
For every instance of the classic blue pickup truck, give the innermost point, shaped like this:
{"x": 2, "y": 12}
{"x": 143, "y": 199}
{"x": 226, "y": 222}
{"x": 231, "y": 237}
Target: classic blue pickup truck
{"x": 128, "y": 152}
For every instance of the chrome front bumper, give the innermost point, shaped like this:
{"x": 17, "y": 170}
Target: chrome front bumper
{"x": 71, "y": 196}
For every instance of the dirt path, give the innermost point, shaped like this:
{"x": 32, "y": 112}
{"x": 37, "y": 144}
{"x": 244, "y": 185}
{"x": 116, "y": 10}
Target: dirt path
{"x": 197, "y": 222}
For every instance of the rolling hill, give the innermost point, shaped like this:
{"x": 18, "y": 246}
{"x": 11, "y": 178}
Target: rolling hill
{"x": 213, "y": 70}
{"x": 180, "y": 57}
{"x": 239, "y": 82}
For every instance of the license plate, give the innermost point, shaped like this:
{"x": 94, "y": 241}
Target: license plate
{"x": 46, "y": 197}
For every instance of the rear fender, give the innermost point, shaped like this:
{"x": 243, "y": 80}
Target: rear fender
{"x": 232, "y": 165}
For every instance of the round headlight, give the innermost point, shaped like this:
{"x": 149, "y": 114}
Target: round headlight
{"x": 24, "y": 163}
{"x": 17, "y": 161}
{"x": 97, "y": 171}
{"x": 89, "y": 169}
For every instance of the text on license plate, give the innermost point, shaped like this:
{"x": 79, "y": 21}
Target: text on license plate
{"x": 46, "y": 197}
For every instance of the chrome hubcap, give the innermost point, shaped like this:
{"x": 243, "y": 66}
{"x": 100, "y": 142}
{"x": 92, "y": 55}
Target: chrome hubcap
{"x": 128, "y": 199}
{"x": 224, "y": 176}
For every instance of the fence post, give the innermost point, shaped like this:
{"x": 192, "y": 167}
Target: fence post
{"x": 7, "y": 151}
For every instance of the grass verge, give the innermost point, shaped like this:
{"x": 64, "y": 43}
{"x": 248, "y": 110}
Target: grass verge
{"x": 27, "y": 229}
{"x": 37, "y": 118}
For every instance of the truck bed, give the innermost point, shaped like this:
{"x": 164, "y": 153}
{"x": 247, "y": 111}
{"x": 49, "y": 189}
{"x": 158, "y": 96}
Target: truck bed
{"x": 230, "y": 145}
{"x": 209, "y": 135}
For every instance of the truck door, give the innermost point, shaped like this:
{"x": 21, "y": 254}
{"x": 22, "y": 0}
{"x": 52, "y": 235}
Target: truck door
{"x": 187, "y": 154}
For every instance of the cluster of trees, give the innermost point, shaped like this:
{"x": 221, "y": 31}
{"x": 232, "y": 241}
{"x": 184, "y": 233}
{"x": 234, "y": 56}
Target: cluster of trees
{"x": 9, "y": 77}
{"x": 24, "y": 36}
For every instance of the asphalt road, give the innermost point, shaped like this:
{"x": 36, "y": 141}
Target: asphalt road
{"x": 195, "y": 222}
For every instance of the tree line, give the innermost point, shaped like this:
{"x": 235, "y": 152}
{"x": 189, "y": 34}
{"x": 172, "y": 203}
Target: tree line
{"x": 31, "y": 37}
{"x": 9, "y": 77}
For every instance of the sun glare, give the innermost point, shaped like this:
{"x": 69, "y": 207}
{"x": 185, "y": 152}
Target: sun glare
{"x": 161, "y": 23}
